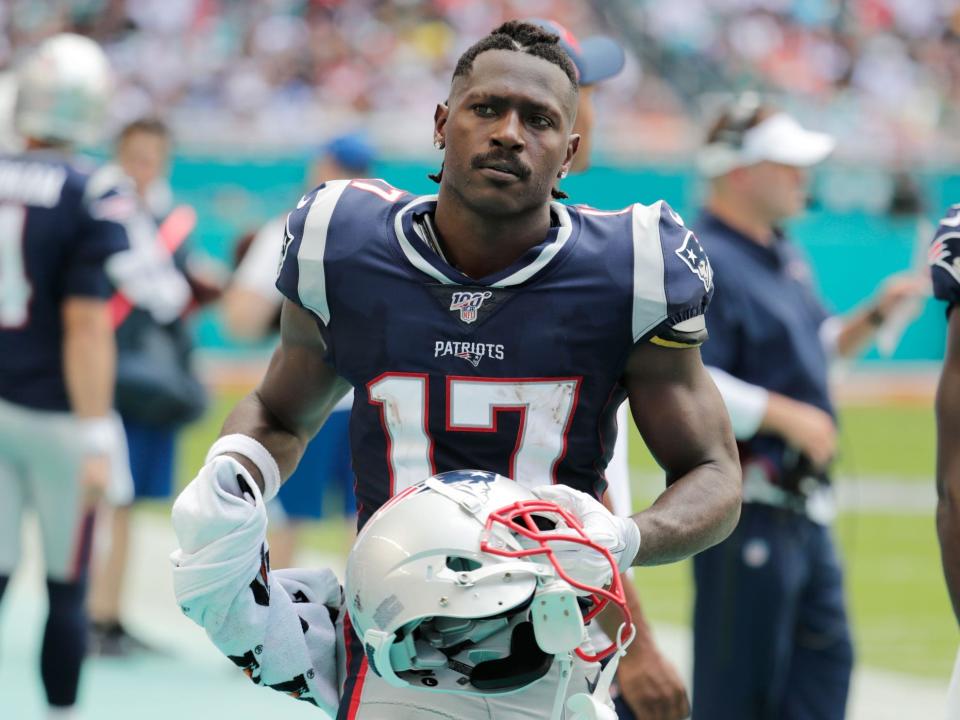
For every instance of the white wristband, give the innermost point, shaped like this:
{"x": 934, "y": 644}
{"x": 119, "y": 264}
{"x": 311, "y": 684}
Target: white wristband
{"x": 99, "y": 435}
{"x": 255, "y": 453}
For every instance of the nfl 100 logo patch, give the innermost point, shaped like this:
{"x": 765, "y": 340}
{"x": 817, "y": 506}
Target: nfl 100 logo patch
{"x": 468, "y": 302}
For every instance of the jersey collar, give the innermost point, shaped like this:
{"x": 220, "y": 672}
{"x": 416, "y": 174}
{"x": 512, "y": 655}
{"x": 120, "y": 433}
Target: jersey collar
{"x": 528, "y": 265}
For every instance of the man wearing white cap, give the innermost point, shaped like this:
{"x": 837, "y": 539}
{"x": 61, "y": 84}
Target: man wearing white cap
{"x": 771, "y": 638}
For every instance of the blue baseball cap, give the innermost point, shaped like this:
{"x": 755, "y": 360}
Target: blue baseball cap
{"x": 596, "y": 58}
{"x": 352, "y": 151}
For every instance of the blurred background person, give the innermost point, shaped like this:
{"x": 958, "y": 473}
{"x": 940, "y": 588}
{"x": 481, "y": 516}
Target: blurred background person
{"x": 771, "y": 635}
{"x": 251, "y": 311}
{"x": 157, "y": 389}
{"x": 59, "y": 444}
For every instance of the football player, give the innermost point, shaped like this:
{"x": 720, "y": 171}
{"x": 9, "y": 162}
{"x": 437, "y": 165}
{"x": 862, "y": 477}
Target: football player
{"x": 59, "y": 444}
{"x": 487, "y": 327}
{"x": 945, "y": 272}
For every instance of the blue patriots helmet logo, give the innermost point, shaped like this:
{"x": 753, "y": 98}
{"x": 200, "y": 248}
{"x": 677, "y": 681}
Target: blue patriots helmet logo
{"x": 944, "y": 251}
{"x": 944, "y": 258}
{"x": 471, "y": 357}
{"x": 468, "y": 303}
{"x": 695, "y": 258}
{"x": 466, "y": 476}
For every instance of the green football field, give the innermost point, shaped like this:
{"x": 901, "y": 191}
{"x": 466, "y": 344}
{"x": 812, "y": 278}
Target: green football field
{"x": 899, "y": 607}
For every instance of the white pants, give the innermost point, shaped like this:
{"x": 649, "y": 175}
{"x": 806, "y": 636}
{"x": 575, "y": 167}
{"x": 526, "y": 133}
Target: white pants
{"x": 953, "y": 693}
{"x": 379, "y": 701}
{"x": 40, "y": 461}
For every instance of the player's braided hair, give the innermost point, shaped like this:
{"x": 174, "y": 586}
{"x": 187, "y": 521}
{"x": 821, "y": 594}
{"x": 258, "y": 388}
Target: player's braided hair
{"x": 522, "y": 37}
{"x": 518, "y": 36}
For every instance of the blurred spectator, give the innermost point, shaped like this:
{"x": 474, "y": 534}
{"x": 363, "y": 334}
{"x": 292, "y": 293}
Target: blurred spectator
{"x": 251, "y": 307}
{"x": 157, "y": 390}
{"x": 883, "y": 75}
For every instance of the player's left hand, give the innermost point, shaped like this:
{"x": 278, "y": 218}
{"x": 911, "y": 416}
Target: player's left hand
{"x": 651, "y": 685}
{"x": 94, "y": 479}
{"x": 899, "y": 289}
{"x": 620, "y": 535}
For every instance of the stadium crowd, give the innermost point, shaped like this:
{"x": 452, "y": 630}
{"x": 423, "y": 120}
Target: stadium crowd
{"x": 882, "y": 75}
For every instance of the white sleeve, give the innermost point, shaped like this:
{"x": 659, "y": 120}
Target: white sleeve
{"x": 829, "y": 334}
{"x": 618, "y": 470}
{"x": 257, "y": 271}
{"x": 746, "y": 403}
{"x": 279, "y": 627}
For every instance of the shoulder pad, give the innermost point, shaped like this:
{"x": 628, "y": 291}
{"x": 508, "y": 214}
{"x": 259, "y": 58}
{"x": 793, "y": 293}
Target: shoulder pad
{"x": 944, "y": 258}
{"x": 109, "y": 195}
{"x": 300, "y": 276}
{"x": 672, "y": 276}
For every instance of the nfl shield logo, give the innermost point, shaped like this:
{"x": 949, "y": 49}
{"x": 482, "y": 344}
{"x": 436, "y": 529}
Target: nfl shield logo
{"x": 468, "y": 303}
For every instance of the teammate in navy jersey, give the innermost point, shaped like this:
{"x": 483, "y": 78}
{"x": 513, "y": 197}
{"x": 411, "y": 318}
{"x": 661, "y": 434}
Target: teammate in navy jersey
{"x": 59, "y": 444}
{"x": 489, "y": 327}
{"x": 945, "y": 272}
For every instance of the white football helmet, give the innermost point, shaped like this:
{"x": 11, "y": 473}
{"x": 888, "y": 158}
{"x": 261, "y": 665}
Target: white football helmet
{"x": 452, "y": 586}
{"x": 63, "y": 88}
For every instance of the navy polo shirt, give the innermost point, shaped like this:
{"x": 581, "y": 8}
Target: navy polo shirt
{"x": 764, "y": 322}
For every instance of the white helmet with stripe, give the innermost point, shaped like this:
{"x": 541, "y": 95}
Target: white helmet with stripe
{"x": 63, "y": 88}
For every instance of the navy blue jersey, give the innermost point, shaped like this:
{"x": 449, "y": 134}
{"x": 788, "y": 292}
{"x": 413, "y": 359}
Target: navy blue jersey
{"x": 945, "y": 258}
{"x": 517, "y": 373}
{"x": 57, "y": 227}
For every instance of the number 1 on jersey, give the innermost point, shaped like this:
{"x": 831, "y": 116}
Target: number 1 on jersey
{"x": 546, "y": 407}
{"x": 15, "y": 289}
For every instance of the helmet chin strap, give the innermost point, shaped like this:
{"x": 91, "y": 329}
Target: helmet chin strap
{"x": 596, "y": 705}
{"x": 565, "y": 661}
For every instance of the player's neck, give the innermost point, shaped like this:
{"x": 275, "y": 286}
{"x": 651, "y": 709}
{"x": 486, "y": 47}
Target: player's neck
{"x": 478, "y": 244}
{"x": 743, "y": 220}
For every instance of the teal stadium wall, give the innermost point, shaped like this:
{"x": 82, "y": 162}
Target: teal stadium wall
{"x": 852, "y": 249}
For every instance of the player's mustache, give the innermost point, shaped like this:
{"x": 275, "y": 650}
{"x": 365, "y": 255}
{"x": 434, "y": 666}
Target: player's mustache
{"x": 501, "y": 160}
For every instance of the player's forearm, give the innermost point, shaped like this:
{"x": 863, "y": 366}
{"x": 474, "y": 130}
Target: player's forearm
{"x": 251, "y": 417}
{"x": 948, "y": 532}
{"x": 948, "y": 463}
{"x": 858, "y": 330}
{"x": 89, "y": 357}
{"x": 293, "y": 400}
{"x": 694, "y": 513}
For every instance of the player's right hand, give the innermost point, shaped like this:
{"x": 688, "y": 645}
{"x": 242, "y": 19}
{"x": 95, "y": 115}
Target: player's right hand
{"x": 94, "y": 479}
{"x": 805, "y": 427}
{"x": 215, "y": 503}
{"x": 620, "y": 535}
{"x": 231, "y": 476}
